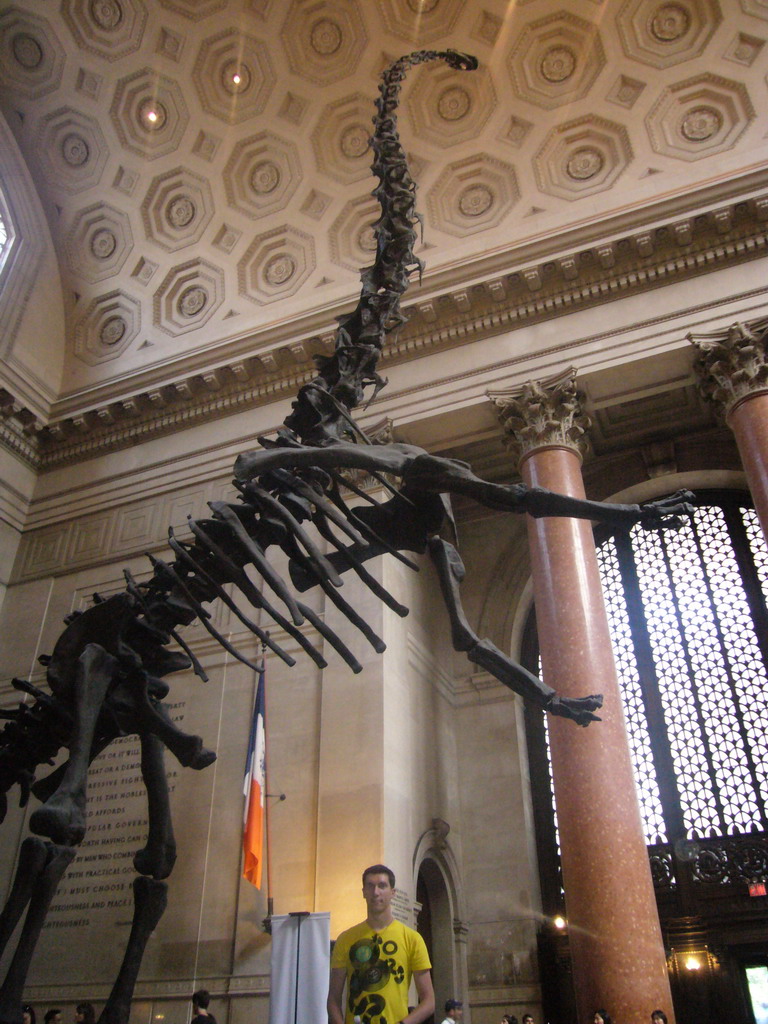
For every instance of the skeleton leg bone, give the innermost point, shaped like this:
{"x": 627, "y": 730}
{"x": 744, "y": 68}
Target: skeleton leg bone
{"x": 153, "y": 717}
{"x": 62, "y": 816}
{"x": 150, "y": 898}
{"x": 41, "y": 867}
{"x": 159, "y": 854}
{"x": 450, "y": 571}
{"x": 33, "y": 856}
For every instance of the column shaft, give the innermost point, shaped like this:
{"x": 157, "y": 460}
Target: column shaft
{"x": 748, "y": 419}
{"x": 613, "y": 925}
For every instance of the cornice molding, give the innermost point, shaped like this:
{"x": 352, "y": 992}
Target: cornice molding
{"x": 439, "y": 321}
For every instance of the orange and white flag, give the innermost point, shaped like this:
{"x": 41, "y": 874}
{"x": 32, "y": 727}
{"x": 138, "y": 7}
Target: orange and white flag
{"x": 254, "y": 786}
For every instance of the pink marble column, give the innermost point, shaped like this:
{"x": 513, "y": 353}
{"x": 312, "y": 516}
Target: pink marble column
{"x": 613, "y": 926}
{"x": 748, "y": 419}
{"x": 733, "y": 374}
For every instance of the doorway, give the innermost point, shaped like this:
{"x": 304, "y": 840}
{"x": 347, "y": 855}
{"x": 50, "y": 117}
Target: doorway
{"x": 436, "y": 927}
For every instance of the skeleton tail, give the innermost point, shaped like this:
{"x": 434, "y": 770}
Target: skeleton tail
{"x": 321, "y": 413}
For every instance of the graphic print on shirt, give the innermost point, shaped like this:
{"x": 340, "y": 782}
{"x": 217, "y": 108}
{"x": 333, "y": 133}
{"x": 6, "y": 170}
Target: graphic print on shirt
{"x": 373, "y": 967}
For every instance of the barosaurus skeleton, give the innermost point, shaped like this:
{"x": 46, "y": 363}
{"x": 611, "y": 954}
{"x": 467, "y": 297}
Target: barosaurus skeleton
{"x": 106, "y": 672}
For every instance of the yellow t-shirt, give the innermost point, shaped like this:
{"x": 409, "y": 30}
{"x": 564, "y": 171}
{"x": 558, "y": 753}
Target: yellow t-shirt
{"x": 379, "y": 966}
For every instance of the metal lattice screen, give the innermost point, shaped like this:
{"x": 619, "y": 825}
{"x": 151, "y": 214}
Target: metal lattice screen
{"x": 687, "y": 613}
{"x": 689, "y": 625}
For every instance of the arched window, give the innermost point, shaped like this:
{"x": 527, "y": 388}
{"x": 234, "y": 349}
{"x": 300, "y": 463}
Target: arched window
{"x": 6, "y": 230}
{"x": 689, "y": 624}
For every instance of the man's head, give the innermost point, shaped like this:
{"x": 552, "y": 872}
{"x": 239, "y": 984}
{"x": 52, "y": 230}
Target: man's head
{"x": 380, "y": 869}
{"x": 201, "y": 999}
{"x": 453, "y": 1009}
{"x": 378, "y": 890}
{"x": 527, "y": 1018}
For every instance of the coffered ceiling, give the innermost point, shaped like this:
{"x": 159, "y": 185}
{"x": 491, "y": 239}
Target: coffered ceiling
{"x": 203, "y": 164}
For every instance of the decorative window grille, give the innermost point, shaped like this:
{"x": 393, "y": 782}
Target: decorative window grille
{"x": 689, "y": 624}
{"x": 688, "y": 617}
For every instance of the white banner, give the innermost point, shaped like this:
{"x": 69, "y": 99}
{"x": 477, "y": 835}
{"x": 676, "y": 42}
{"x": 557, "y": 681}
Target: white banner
{"x": 301, "y": 961}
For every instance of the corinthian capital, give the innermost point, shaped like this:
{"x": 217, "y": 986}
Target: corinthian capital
{"x": 732, "y": 363}
{"x": 542, "y": 414}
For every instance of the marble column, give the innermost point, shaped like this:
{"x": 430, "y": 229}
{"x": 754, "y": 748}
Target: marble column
{"x": 613, "y": 926}
{"x": 732, "y": 369}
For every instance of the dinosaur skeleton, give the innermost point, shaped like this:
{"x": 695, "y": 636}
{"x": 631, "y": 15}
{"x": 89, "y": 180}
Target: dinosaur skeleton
{"x": 106, "y": 672}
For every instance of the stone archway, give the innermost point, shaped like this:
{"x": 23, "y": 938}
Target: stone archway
{"x": 442, "y": 930}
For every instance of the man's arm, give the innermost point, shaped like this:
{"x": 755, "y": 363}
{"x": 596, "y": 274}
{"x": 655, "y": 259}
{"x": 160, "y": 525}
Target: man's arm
{"x": 336, "y": 995}
{"x": 426, "y": 1006}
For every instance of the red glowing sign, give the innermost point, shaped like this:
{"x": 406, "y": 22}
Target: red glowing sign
{"x": 757, "y": 889}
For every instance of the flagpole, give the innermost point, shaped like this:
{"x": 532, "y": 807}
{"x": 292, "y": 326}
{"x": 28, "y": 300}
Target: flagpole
{"x": 270, "y": 907}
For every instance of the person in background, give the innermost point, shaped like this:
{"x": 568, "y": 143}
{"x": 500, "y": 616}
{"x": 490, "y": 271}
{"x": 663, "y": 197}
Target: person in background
{"x": 85, "y": 1014}
{"x": 200, "y": 1002}
{"x": 53, "y": 1016}
{"x": 527, "y": 1018}
{"x": 509, "y": 1018}
{"x": 658, "y": 1017}
{"x": 28, "y": 1015}
{"x": 602, "y": 1017}
{"x": 454, "y": 1010}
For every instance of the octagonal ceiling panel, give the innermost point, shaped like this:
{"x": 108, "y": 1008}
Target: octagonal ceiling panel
{"x": 582, "y": 157}
{"x": 188, "y": 297}
{"x": 421, "y": 21}
{"x": 352, "y": 241}
{"x": 31, "y": 57}
{"x": 149, "y": 113}
{"x": 555, "y": 60}
{"x": 108, "y": 326}
{"x": 262, "y": 174}
{"x": 276, "y": 265}
{"x": 666, "y": 32}
{"x": 233, "y": 76}
{"x": 194, "y": 9}
{"x": 473, "y": 195}
{"x": 177, "y": 209}
{"x": 757, "y": 7}
{"x": 447, "y": 108}
{"x": 699, "y": 117}
{"x": 341, "y": 139}
{"x": 110, "y": 28}
{"x": 98, "y": 242}
{"x": 561, "y": 108}
{"x": 323, "y": 39}
{"x": 71, "y": 149}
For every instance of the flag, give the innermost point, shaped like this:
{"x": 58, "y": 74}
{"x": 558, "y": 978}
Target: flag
{"x": 254, "y": 785}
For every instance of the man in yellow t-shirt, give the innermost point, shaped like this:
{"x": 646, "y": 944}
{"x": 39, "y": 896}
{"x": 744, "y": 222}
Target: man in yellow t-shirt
{"x": 376, "y": 959}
